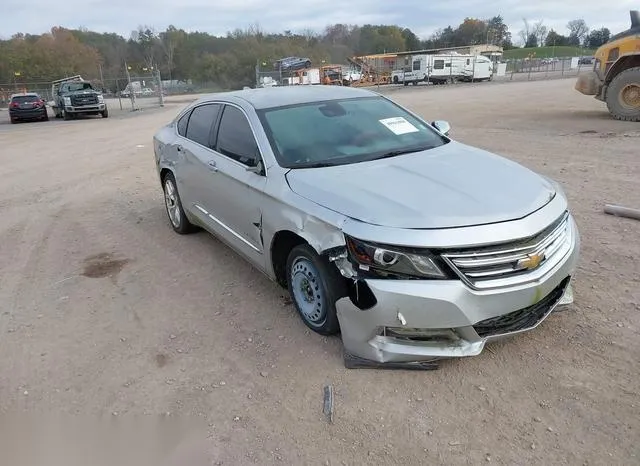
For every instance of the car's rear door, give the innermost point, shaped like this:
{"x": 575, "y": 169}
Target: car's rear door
{"x": 193, "y": 154}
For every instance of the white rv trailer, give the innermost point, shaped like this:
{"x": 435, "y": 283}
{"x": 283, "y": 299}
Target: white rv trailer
{"x": 440, "y": 69}
{"x": 310, "y": 76}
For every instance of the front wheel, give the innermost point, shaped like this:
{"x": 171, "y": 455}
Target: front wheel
{"x": 66, "y": 115}
{"x": 315, "y": 286}
{"x": 623, "y": 95}
{"x": 105, "y": 113}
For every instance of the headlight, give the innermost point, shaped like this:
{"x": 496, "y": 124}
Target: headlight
{"x": 67, "y": 101}
{"x": 387, "y": 261}
{"x": 100, "y": 99}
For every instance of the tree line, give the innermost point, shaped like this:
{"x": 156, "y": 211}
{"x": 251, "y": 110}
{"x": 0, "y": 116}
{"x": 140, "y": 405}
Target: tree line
{"x": 227, "y": 61}
{"x": 538, "y": 35}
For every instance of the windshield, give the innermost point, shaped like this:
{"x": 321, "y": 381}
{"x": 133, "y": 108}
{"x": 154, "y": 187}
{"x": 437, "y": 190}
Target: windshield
{"x": 79, "y": 86}
{"x": 344, "y": 131}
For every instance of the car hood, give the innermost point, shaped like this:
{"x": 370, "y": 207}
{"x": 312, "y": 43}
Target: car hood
{"x": 453, "y": 185}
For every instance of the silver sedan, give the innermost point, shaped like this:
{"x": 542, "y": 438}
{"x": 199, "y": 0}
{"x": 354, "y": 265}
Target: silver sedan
{"x": 412, "y": 245}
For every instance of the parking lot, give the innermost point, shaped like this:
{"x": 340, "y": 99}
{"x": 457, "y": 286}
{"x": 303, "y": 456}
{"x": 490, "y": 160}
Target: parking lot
{"x": 105, "y": 311}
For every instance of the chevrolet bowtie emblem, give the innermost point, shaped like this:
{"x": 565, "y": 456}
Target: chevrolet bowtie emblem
{"x": 531, "y": 262}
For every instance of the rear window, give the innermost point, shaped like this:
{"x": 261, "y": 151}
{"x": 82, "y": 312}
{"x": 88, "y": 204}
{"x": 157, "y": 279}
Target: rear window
{"x": 20, "y": 99}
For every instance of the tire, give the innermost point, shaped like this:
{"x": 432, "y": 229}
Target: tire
{"x": 105, "y": 114}
{"x": 623, "y": 95}
{"x": 315, "y": 286}
{"x": 46, "y": 115}
{"x": 66, "y": 116}
{"x": 13, "y": 121}
{"x": 395, "y": 80}
{"x": 173, "y": 206}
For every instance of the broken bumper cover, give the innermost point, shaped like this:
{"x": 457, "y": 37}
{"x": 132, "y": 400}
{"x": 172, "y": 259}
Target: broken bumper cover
{"x": 425, "y": 320}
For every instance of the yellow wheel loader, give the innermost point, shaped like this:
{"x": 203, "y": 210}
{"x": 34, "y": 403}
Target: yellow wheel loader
{"x": 615, "y": 78}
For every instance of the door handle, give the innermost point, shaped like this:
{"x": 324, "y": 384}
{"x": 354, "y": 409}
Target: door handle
{"x": 212, "y": 165}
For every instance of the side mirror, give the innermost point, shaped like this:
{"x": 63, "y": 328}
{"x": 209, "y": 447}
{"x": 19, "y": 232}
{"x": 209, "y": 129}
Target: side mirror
{"x": 442, "y": 126}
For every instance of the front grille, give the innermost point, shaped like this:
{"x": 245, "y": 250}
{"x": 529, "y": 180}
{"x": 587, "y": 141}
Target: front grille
{"x": 515, "y": 262}
{"x": 79, "y": 100}
{"x": 524, "y": 318}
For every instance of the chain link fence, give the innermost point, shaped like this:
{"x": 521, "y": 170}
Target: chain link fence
{"x": 530, "y": 69}
{"x": 378, "y": 71}
{"x": 135, "y": 89}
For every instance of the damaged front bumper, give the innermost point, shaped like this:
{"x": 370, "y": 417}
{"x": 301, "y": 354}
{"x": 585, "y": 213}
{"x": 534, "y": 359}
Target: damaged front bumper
{"x": 414, "y": 321}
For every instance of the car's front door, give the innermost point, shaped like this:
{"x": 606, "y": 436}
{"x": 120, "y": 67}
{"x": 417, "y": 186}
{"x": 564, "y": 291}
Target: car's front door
{"x": 235, "y": 191}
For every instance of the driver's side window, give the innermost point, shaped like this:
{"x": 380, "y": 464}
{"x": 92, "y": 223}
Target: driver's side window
{"x": 235, "y": 137}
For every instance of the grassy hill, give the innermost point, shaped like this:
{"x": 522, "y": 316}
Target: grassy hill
{"x": 548, "y": 52}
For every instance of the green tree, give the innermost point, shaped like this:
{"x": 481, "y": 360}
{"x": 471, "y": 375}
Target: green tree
{"x": 532, "y": 41}
{"x": 555, "y": 39}
{"x": 471, "y": 31}
{"x": 498, "y": 32}
{"x": 411, "y": 41}
{"x": 578, "y": 31}
{"x": 597, "y": 37}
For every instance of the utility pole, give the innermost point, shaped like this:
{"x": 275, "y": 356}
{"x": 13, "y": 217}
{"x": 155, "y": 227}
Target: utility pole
{"x": 100, "y": 69}
{"x": 132, "y": 94}
{"x": 160, "y": 91}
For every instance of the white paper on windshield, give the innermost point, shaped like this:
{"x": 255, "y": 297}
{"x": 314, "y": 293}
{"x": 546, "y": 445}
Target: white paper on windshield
{"x": 399, "y": 125}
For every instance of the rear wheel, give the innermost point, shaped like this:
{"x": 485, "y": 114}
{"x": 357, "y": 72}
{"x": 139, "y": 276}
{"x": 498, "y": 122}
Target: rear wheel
{"x": 623, "y": 95}
{"x": 173, "y": 204}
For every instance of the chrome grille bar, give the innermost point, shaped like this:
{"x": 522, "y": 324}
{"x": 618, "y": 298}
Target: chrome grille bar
{"x": 512, "y": 263}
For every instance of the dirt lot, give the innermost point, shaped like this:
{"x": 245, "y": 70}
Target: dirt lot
{"x": 105, "y": 311}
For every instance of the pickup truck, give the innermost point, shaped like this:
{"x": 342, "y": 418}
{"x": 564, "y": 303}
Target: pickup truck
{"x": 77, "y": 97}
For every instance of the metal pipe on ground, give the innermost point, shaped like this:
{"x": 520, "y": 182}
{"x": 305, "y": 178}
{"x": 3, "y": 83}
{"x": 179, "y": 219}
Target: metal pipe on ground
{"x": 620, "y": 211}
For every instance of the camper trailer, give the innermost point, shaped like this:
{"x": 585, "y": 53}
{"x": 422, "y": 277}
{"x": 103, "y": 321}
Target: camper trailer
{"x": 309, "y": 76}
{"x": 478, "y": 68}
{"x": 437, "y": 69}
{"x": 440, "y": 69}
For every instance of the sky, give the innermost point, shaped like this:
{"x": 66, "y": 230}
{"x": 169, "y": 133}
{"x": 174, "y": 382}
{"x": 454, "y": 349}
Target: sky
{"x": 220, "y": 16}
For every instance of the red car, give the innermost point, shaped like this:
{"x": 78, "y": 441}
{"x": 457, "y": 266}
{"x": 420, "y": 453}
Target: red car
{"x": 27, "y": 106}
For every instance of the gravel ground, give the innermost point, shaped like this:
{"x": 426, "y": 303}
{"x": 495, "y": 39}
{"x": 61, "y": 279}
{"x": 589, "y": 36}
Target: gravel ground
{"x": 104, "y": 311}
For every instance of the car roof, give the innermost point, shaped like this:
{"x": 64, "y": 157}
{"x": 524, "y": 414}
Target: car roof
{"x": 263, "y": 98}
